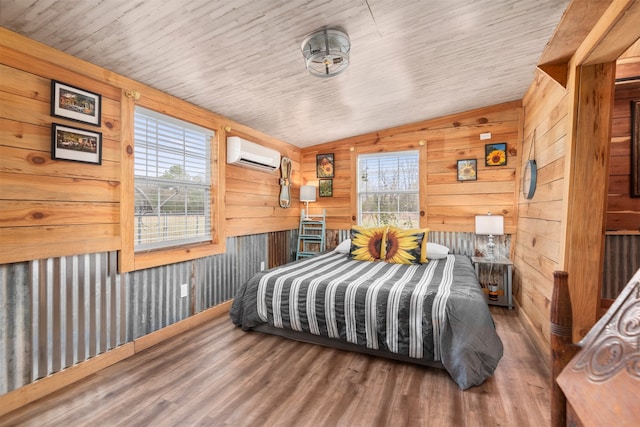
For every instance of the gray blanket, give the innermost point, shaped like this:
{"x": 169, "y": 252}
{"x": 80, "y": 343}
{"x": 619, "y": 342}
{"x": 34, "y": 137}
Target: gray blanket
{"x": 434, "y": 311}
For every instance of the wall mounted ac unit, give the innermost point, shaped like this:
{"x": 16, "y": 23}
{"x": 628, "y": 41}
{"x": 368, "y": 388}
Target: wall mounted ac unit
{"x": 246, "y": 153}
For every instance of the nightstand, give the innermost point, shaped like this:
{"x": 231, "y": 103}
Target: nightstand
{"x": 506, "y": 298}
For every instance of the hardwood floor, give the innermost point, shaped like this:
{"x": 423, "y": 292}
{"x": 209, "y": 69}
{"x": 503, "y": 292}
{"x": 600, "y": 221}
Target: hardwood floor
{"x": 218, "y": 375}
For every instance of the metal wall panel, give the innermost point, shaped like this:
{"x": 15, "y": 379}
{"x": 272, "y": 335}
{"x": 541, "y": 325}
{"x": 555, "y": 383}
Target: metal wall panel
{"x": 57, "y": 312}
{"x": 281, "y": 249}
{"x": 621, "y": 261}
{"x": 77, "y": 310}
{"x": 15, "y": 322}
{"x": 154, "y": 298}
{"x": 154, "y": 293}
{"x": 471, "y": 244}
{"x": 217, "y": 278}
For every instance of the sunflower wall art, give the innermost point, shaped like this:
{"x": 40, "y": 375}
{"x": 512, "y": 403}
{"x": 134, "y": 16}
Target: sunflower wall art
{"x": 495, "y": 154}
{"x": 324, "y": 165}
{"x": 468, "y": 170}
{"x": 325, "y": 188}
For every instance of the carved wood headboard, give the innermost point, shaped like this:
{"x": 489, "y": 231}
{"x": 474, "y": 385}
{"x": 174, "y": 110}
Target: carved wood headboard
{"x": 601, "y": 381}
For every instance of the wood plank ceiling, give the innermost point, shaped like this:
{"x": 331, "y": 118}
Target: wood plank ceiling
{"x": 410, "y": 60}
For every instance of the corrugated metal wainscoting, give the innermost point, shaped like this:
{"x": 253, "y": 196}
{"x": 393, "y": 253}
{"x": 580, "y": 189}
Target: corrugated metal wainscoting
{"x": 57, "y": 312}
{"x": 621, "y": 261}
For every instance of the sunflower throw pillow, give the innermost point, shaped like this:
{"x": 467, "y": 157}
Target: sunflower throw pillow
{"x": 366, "y": 243}
{"x": 404, "y": 246}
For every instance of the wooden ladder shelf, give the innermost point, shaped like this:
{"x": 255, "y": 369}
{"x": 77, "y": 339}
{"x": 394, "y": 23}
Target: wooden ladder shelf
{"x": 311, "y": 235}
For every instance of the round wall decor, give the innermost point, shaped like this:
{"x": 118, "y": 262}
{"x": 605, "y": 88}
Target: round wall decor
{"x": 529, "y": 179}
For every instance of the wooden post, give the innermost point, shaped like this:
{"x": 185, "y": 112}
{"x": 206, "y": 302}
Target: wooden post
{"x": 562, "y": 348}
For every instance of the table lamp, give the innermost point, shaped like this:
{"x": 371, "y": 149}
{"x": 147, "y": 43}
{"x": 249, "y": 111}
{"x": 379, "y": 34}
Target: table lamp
{"x": 490, "y": 225}
{"x": 307, "y": 194}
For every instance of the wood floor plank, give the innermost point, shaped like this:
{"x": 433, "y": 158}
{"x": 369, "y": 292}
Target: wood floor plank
{"x": 219, "y": 375}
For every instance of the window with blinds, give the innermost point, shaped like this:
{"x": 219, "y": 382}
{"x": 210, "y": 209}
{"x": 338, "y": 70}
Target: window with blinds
{"x": 172, "y": 181}
{"x": 388, "y": 190}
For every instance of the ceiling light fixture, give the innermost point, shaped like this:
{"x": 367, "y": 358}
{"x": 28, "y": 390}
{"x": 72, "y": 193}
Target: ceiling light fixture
{"x": 326, "y": 52}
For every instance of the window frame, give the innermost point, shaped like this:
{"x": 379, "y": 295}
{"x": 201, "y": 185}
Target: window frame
{"x": 357, "y": 175}
{"x": 129, "y": 259}
{"x": 157, "y": 121}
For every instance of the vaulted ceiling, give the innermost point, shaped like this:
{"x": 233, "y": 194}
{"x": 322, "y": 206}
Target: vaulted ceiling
{"x": 410, "y": 60}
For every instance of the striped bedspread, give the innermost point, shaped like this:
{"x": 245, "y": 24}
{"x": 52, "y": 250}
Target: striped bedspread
{"x": 434, "y": 311}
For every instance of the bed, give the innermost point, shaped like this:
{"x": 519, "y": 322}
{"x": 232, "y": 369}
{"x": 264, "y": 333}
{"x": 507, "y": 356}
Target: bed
{"x": 432, "y": 313}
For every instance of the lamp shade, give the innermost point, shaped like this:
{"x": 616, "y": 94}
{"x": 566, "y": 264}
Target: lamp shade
{"x": 307, "y": 193}
{"x": 490, "y": 225}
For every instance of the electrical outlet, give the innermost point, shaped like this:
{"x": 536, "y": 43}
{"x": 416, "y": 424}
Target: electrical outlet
{"x": 261, "y": 265}
{"x": 184, "y": 290}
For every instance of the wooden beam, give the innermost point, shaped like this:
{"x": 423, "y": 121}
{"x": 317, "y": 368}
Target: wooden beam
{"x": 126, "y": 258}
{"x": 592, "y": 40}
{"x": 614, "y": 32}
{"x": 576, "y": 23}
{"x": 558, "y": 72}
{"x": 586, "y": 198}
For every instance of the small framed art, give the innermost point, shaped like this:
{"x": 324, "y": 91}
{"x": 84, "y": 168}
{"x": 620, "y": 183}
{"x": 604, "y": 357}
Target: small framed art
{"x": 468, "y": 170}
{"x": 325, "y": 188}
{"x": 324, "y": 165}
{"x": 76, "y": 104}
{"x": 79, "y": 145}
{"x": 495, "y": 154}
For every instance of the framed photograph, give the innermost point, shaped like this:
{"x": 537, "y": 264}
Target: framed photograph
{"x": 468, "y": 170}
{"x": 635, "y": 149}
{"x": 75, "y": 104}
{"x": 324, "y": 165}
{"x": 495, "y": 154}
{"x": 326, "y": 188}
{"x": 74, "y": 144}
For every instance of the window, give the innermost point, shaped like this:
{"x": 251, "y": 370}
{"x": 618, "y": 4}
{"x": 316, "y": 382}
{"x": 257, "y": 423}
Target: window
{"x": 388, "y": 191}
{"x": 172, "y": 181}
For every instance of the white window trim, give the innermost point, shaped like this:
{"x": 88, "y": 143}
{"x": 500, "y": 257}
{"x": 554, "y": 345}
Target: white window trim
{"x": 207, "y": 187}
{"x": 359, "y": 192}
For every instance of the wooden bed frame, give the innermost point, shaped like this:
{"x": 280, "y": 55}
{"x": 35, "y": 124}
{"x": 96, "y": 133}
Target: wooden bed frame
{"x": 597, "y": 381}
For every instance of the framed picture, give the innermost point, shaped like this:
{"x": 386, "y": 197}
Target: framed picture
{"x": 326, "y": 188}
{"x": 75, "y": 104}
{"x": 495, "y": 154}
{"x": 79, "y": 145}
{"x": 468, "y": 170}
{"x": 635, "y": 148}
{"x": 324, "y": 165}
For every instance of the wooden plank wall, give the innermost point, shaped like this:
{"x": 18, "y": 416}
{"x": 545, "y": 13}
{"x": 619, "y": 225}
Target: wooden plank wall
{"x": 55, "y": 208}
{"x": 538, "y": 250}
{"x": 540, "y": 221}
{"x": 623, "y": 211}
{"x": 252, "y": 199}
{"x": 448, "y": 205}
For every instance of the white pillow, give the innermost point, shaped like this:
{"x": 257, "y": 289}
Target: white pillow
{"x": 344, "y": 247}
{"x": 436, "y": 251}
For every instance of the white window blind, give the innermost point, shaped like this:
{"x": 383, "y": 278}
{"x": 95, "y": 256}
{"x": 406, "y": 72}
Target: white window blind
{"x": 172, "y": 181}
{"x": 388, "y": 190}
